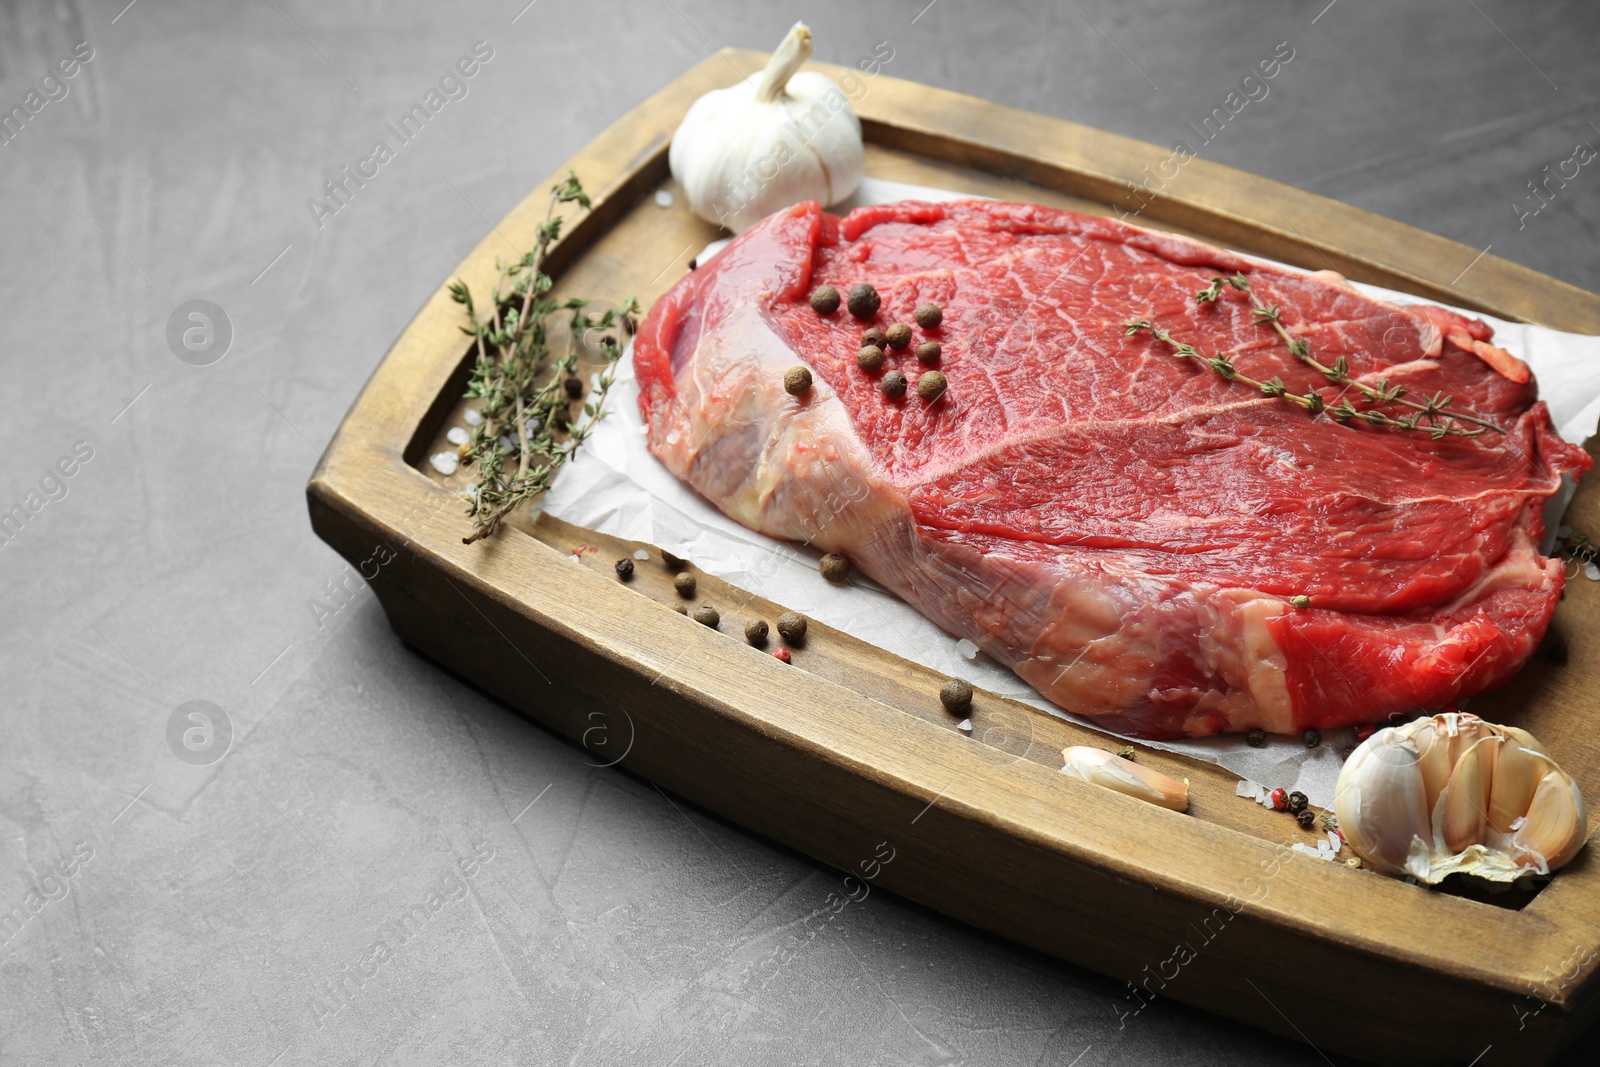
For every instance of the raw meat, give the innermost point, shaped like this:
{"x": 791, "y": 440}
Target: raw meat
{"x": 1124, "y": 529}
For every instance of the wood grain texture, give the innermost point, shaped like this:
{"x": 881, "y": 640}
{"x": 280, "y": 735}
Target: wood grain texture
{"x": 846, "y": 753}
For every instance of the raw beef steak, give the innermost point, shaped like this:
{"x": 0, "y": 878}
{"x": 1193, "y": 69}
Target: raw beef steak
{"x": 1127, "y": 530}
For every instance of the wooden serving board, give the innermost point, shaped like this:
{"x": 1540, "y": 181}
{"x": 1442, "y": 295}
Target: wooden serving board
{"x": 846, "y": 754}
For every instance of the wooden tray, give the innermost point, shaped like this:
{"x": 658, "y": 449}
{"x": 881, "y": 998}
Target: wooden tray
{"x": 846, "y": 754}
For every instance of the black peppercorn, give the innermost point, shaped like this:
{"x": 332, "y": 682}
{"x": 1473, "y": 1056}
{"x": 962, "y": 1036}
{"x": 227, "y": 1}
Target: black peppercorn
{"x": 625, "y": 569}
{"x": 930, "y": 386}
{"x": 684, "y": 584}
{"x": 864, "y": 300}
{"x": 1306, "y": 818}
{"x": 835, "y": 567}
{"x": 1298, "y": 801}
{"x": 574, "y": 387}
{"x": 929, "y": 352}
{"x": 792, "y": 627}
{"x": 870, "y": 358}
{"x": 797, "y": 380}
{"x": 893, "y": 385}
{"x": 956, "y": 696}
{"x": 1312, "y": 737}
{"x": 1256, "y": 738}
{"x": 755, "y": 631}
{"x": 898, "y": 335}
{"x": 929, "y": 316}
{"x": 824, "y": 300}
{"x": 706, "y": 615}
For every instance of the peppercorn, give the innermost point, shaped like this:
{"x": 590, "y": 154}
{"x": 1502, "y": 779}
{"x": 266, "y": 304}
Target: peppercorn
{"x": 929, "y": 316}
{"x": 674, "y": 563}
{"x": 929, "y": 352}
{"x": 574, "y": 387}
{"x": 1298, "y": 801}
{"x": 625, "y": 569}
{"x": 792, "y": 627}
{"x": 898, "y": 335}
{"x": 797, "y": 380}
{"x": 835, "y": 567}
{"x": 1256, "y": 738}
{"x": 706, "y": 615}
{"x": 870, "y": 358}
{"x": 780, "y": 653}
{"x": 893, "y": 385}
{"x": 824, "y": 300}
{"x": 930, "y": 386}
{"x": 1306, "y": 818}
{"x": 755, "y": 631}
{"x": 1557, "y": 653}
{"x": 680, "y": 609}
{"x": 684, "y": 584}
{"x": 1280, "y": 798}
{"x": 1312, "y": 737}
{"x": 1346, "y": 752}
{"x": 864, "y": 301}
{"x": 956, "y": 696}
{"x": 875, "y": 336}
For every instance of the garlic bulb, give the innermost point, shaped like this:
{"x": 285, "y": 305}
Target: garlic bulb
{"x": 746, "y": 151}
{"x": 1453, "y": 793}
{"x": 1100, "y": 767}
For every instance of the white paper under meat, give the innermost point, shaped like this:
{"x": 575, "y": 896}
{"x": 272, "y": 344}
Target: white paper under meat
{"x": 614, "y": 486}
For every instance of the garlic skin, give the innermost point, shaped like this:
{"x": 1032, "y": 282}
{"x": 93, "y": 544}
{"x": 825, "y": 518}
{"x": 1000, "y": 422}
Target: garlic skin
{"x": 1100, "y": 767}
{"x": 1454, "y": 794}
{"x": 743, "y": 152}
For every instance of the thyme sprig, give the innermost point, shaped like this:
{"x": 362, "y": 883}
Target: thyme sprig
{"x": 1433, "y": 414}
{"x": 521, "y": 383}
{"x": 1312, "y": 401}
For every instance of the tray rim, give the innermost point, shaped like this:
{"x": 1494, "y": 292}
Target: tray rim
{"x": 364, "y": 472}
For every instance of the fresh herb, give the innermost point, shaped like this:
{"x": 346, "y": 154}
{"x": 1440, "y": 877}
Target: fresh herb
{"x": 520, "y": 382}
{"x": 1431, "y": 414}
{"x": 1126, "y": 752}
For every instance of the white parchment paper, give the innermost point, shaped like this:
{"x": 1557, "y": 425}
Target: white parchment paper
{"x": 614, "y": 486}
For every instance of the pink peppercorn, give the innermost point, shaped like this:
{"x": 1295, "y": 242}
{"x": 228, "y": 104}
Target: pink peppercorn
{"x": 781, "y": 653}
{"x": 1280, "y": 799}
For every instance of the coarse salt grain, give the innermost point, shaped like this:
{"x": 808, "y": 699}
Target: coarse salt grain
{"x": 444, "y": 462}
{"x": 966, "y": 649}
{"x": 965, "y": 724}
{"x": 1335, "y": 842}
{"x": 663, "y": 198}
{"x": 472, "y": 417}
{"x": 1591, "y": 571}
{"x": 641, "y": 554}
{"x": 458, "y": 435}
{"x": 1245, "y": 788}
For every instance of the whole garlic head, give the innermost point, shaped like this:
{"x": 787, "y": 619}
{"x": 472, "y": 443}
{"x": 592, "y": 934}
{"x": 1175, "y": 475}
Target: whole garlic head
{"x": 1454, "y": 794}
{"x": 743, "y": 152}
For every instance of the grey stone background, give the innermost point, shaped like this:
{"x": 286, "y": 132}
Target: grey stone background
{"x": 221, "y": 904}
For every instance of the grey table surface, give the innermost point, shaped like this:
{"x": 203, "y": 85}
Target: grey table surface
{"x": 227, "y": 913}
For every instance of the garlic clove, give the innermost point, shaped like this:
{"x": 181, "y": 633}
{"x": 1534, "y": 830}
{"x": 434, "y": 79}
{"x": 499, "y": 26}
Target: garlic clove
{"x": 1107, "y": 769}
{"x": 1381, "y": 801}
{"x": 1464, "y": 801}
{"x": 1555, "y": 826}
{"x": 1454, "y": 794}
{"x": 1518, "y": 772}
